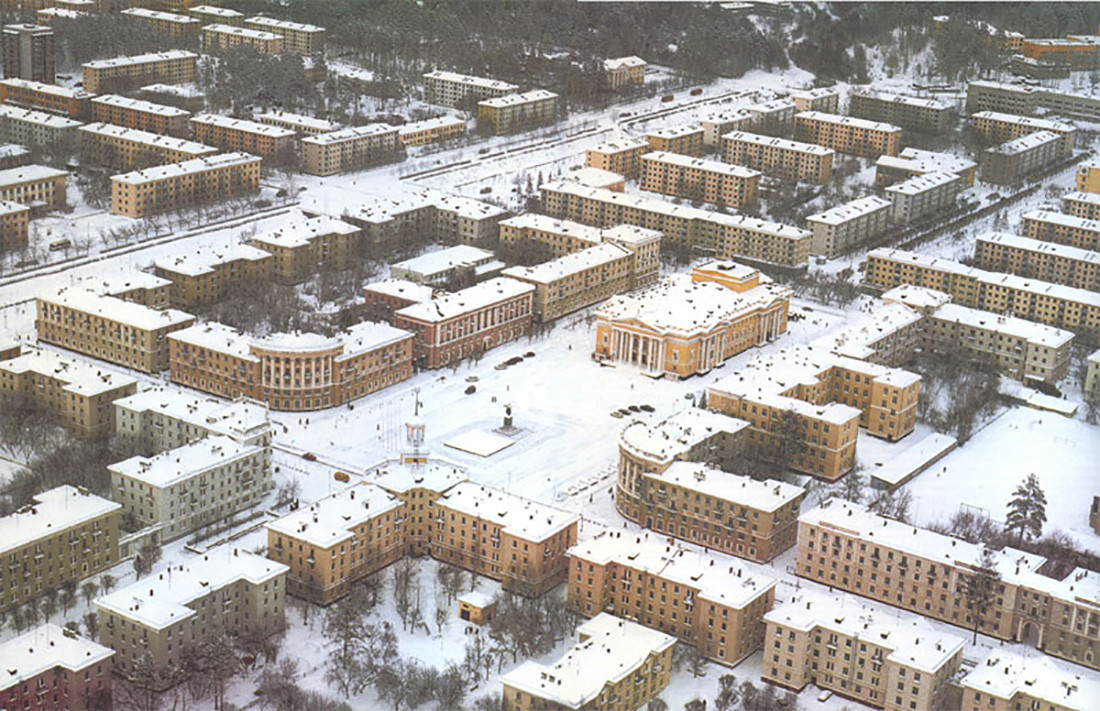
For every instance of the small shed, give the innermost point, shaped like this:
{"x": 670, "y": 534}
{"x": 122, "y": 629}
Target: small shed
{"x": 475, "y": 607}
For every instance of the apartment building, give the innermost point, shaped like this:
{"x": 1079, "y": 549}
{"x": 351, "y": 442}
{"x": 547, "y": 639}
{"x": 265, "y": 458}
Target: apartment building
{"x": 34, "y": 186}
{"x": 232, "y": 134}
{"x": 219, "y": 38}
{"x": 1015, "y": 160}
{"x": 76, "y": 392}
{"x": 192, "y": 486}
{"x": 35, "y": 128}
{"x": 211, "y": 14}
{"x": 11, "y": 155}
{"x": 1023, "y": 66}
{"x": 596, "y": 178}
{"x": 350, "y": 149}
{"x": 208, "y": 275}
{"x": 727, "y": 236}
{"x": 615, "y": 664}
{"x": 648, "y": 448}
{"x": 779, "y": 157}
{"x": 136, "y": 287}
{"x": 302, "y": 246}
{"x": 299, "y": 38}
{"x": 1002, "y": 98}
{"x": 687, "y": 325}
{"x": 123, "y": 74}
{"x": 828, "y": 396}
{"x": 65, "y": 534}
{"x": 517, "y": 541}
{"x": 417, "y": 480}
{"x": 1051, "y": 304}
{"x": 567, "y": 284}
{"x": 49, "y": 15}
{"x": 385, "y": 298}
{"x": 337, "y": 541}
{"x": 171, "y": 187}
{"x": 1088, "y": 177}
{"x": 1082, "y": 204}
{"x": 1059, "y": 228}
{"x": 925, "y": 115}
{"x": 462, "y": 91}
{"x": 1031, "y": 258}
{"x": 513, "y": 113}
{"x": 301, "y": 125}
{"x": 421, "y": 133}
{"x": 624, "y": 71}
{"x": 476, "y": 319}
{"x": 698, "y": 179}
{"x": 1005, "y": 680}
{"x": 140, "y": 115}
{"x": 845, "y": 134}
{"x": 720, "y": 123}
{"x": 1077, "y": 51}
{"x": 912, "y": 162}
{"x": 223, "y": 591}
{"x": 841, "y": 228}
{"x": 860, "y": 652}
{"x": 74, "y": 103}
{"x": 28, "y": 52}
{"x": 108, "y": 328}
{"x": 685, "y": 139}
{"x": 825, "y": 99}
{"x": 52, "y": 667}
{"x": 120, "y": 148}
{"x": 994, "y": 127}
{"x": 294, "y": 372}
{"x": 460, "y": 263}
{"x": 1092, "y": 383}
{"x": 923, "y": 195}
{"x": 166, "y": 23}
{"x": 157, "y": 420}
{"x": 846, "y": 546}
{"x": 623, "y": 157}
{"x": 14, "y": 222}
{"x": 705, "y": 599}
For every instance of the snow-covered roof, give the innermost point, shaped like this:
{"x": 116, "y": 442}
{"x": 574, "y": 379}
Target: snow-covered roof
{"x": 767, "y": 496}
{"x": 470, "y": 299}
{"x": 849, "y": 121}
{"x": 475, "y": 598}
{"x": 360, "y": 338}
{"x": 1011, "y": 88}
{"x": 618, "y": 146}
{"x": 1062, "y": 219}
{"x": 205, "y": 260}
{"x": 684, "y": 129}
{"x": 1078, "y": 196}
{"x": 158, "y": 15}
{"x": 309, "y": 122}
{"x": 1026, "y": 143}
{"x": 1037, "y": 123}
{"x": 13, "y": 112}
{"x": 781, "y": 143}
{"x": 613, "y": 649}
{"x": 912, "y": 642}
{"x": 542, "y": 223}
{"x": 901, "y": 99}
{"x": 594, "y": 177}
{"x": 219, "y": 11}
{"x": 772, "y": 107}
{"x": 330, "y": 520}
{"x": 146, "y": 138}
{"x": 917, "y": 297}
{"x": 918, "y": 161}
{"x": 517, "y": 516}
{"x": 297, "y": 230}
{"x": 264, "y": 129}
{"x": 8, "y": 207}
{"x": 671, "y": 438}
{"x": 63, "y": 12}
{"x": 630, "y": 234}
{"x": 710, "y": 166}
{"x": 56, "y": 510}
{"x": 430, "y": 125}
{"x": 183, "y": 463}
{"x": 122, "y": 283}
{"x": 857, "y": 339}
{"x": 566, "y": 265}
{"x": 1035, "y": 333}
{"x": 851, "y": 211}
{"x": 1004, "y": 674}
{"x": 283, "y": 24}
{"x": 81, "y": 377}
{"x": 468, "y": 80}
{"x": 621, "y": 62}
{"x": 115, "y": 309}
{"x": 138, "y": 105}
{"x": 721, "y": 579}
{"x": 29, "y": 173}
{"x": 52, "y": 89}
{"x": 818, "y": 93}
{"x": 923, "y": 183}
{"x": 722, "y": 118}
{"x": 1062, "y": 251}
{"x": 12, "y": 150}
{"x": 913, "y": 459}
{"x": 141, "y": 59}
{"x": 175, "y": 170}
{"x": 163, "y": 598}
{"x": 233, "y": 419}
{"x": 433, "y": 264}
{"x": 436, "y": 475}
{"x": 45, "y": 648}
{"x": 402, "y": 289}
{"x": 527, "y": 97}
{"x": 351, "y": 134}
{"x": 242, "y": 32}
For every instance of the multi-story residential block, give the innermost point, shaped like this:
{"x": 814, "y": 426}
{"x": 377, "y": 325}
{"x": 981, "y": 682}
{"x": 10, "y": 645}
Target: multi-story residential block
{"x": 385, "y": 298}
{"x": 923, "y": 195}
{"x": 1076, "y": 51}
{"x": 108, "y": 328}
{"x": 1051, "y": 304}
{"x": 157, "y": 420}
{"x": 778, "y": 157}
{"x": 207, "y": 276}
{"x": 926, "y": 115}
{"x": 685, "y": 139}
{"x": 461, "y": 90}
{"x": 826, "y": 397}
{"x": 33, "y": 185}
{"x": 219, "y": 38}
{"x": 1088, "y": 177}
{"x": 302, "y": 125}
{"x": 720, "y": 123}
{"x": 473, "y": 320}
{"x": 1092, "y": 378}
{"x": 912, "y": 162}
{"x": 211, "y": 14}
{"x": 65, "y": 534}
{"x": 624, "y": 71}
{"x": 170, "y": 187}
{"x": 122, "y": 74}
{"x": 75, "y": 391}
{"x": 460, "y": 263}
{"x": 623, "y": 157}
{"x": 120, "y": 148}
{"x": 565, "y": 284}
{"x": 517, "y": 541}
{"x": 140, "y": 115}
{"x": 996, "y": 127}
{"x": 1016, "y": 159}
{"x": 825, "y": 99}
{"x": 12, "y": 155}
{"x": 224, "y": 591}
{"x": 1005, "y": 680}
{"x": 292, "y": 372}
{"x": 646, "y": 449}
{"x": 350, "y": 149}
{"x": 304, "y": 245}
{"x": 28, "y": 52}
{"x": 166, "y": 23}
{"x": 513, "y": 113}
{"x": 596, "y": 178}
{"x": 74, "y": 103}
{"x": 1082, "y": 204}
{"x": 1032, "y": 258}
{"x": 710, "y": 601}
{"x": 772, "y": 118}
{"x": 615, "y": 664}
{"x": 861, "y": 653}
{"x": 297, "y": 37}
{"x": 839, "y": 229}
{"x": 727, "y": 236}
{"x": 52, "y": 667}
{"x": 136, "y": 287}
{"x": 689, "y": 325}
{"x": 1006, "y": 98}
{"x": 845, "y": 134}
{"x": 232, "y": 134}
{"x": 846, "y": 546}
{"x": 14, "y": 221}
{"x": 417, "y": 480}
{"x": 1073, "y": 230}
{"x": 49, "y": 15}
{"x": 36, "y": 128}
{"x": 698, "y": 179}
{"x": 419, "y": 133}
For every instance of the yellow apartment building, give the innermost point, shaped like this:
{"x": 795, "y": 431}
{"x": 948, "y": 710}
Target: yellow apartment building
{"x": 120, "y": 148}
{"x": 462, "y": 90}
{"x": 698, "y": 179}
{"x": 208, "y": 276}
{"x": 297, "y": 37}
{"x": 232, "y": 134}
{"x": 1032, "y": 258}
{"x": 825, "y": 99}
{"x": 845, "y": 134}
{"x": 140, "y": 115}
{"x": 995, "y": 127}
{"x": 1006, "y": 680}
{"x": 1072, "y": 230}
{"x": 623, "y": 157}
{"x": 350, "y": 149}
{"x": 1082, "y": 204}
{"x": 420, "y": 133}
{"x": 122, "y": 74}
{"x": 513, "y": 113}
{"x": 1088, "y": 177}
{"x": 219, "y": 38}
{"x": 302, "y": 246}
{"x": 926, "y": 115}
{"x": 779, "y": 157}
{"x": 167, "y": 23}
{"x": 14, "y": 225}
{"x": 179, "y": 185}
{"x": 33, "y": 185}
{"x": 686, "y": 139}
{"x": 624, "y": 71}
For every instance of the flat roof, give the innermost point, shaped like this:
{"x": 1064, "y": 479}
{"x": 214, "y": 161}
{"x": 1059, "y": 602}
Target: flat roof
{"x": 310, "y": 122}
{"x": 767, "y": 495}
{"x": 472, "y": 298}
{"x": 432, "y": 264}
{"x": 552, "y": 225}
{"x": 81, "y": 377}
{"x": 923, "y": 183}
{"x": 1078, "y": 196}
{"x": 241, "y": 32}
{"x": 901, "y": 99}
{"x": 122, "y": 283}
{"x": 330, "y": 521}
{"x": 264, "y": 129}
{"x": 29, "y": 173}
{"x": 234, "y": 419}
{"x": 435, "y": 475}
{"x": 858, "y": 338}
{"x": 45, "y": 648}
{"x": 1037, "y": 333}
{"x": 1003, "y": 673}
{"x": 150, "y": 57}
{"x": 402, "y": 289}
{"x": 351, "y": 134}
{"x": 212, "y": 10}
{"x": 1027, "y": 244}
{"x": 618, "y": 146}
{"x": 357, "y": 339}
{"x": 668, "y": 439}
{"x": 175, "y": 170}
{"x": 819, "y": 92}
{"x": 430, "y": 124}
{"x": 147, "y": 138}
{"x": 469, "y": 80}
{"x": 18, "y": 113}
{"x": 1061, "y": 218}
{"x": 851, "y": 210}
{"x": 115, "y": 309}
{"x": 53, "y": 511}
{"x": 916, "y": 160}
{"x": 572, "y": 263}
{"x": 124, "y": 102}
{"x": 65, "y": 92}
{"x": 594, "y": 177}
{"x": 620, "y": 62}
{"x": 185, "y": 462}
{"x": 158, "y": 15}
{"x": 782, "y": 143}
{"x": 684, "y": 129}
{"x": 849, "y": 121}
{"x": 296, "y": 230}
{"x": 711, "y": 166}
{"x": 1037, "y": 123}
{"x": 284, "y": 24}
{"x": 205, "y": 259}
{"x": 527, "y": 97}
{"x": 517, "y": 516}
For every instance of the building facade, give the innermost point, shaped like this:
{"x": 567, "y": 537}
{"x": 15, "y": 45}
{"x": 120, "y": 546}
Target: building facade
{"x": 140, "y": 115}
{"x": 1059, "y": 228}
{"x": 209, "y": 276}
{"x": 120, "y": 148}
{"x": 34, "y": 186}
{"x": 462, "y": 90}
{"x": 845, "y": 134}
{"x": 926, "y": 115}
{"x": 123, "y": 74}
{"x": 172, "y": 187}
{"x": 232, "y": 134}
{"x": 698, "y": 179}
{"x": 517, "y": 112}
{"x": 350, "y": 149}
{"x": 299, "y": 38}
{"x": 922, "y": 196}
{"x": 841, "y": 228}
{"x": 686, "y": 139}
{"x": 52, "y": 667}
{"x": 14, "y": 224}
{"x": 624, "y": 71}
{"x": 779, "y": 157}
{"x": 995, "y": 127}
{"x": 31, "y": 128}
{"x": 302, "y": 246}
{"x": 219, "y": 38}
{"x": 623, "y": 157}
{"x": 1082, "y": 204}
{"x": 74, "y": 103}
{"x": 420, "y": 133}
{"x": 28, "y": 52}
{"x": 1031, "y": 258}
{"x": 1017, "y": 159}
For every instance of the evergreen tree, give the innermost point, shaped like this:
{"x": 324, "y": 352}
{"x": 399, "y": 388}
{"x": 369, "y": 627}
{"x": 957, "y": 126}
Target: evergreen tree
{"x": 981, "y": 588}
{"x": 1027, "y": 509}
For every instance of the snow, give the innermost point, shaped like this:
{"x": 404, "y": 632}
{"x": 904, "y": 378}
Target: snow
{"x": 479, "y": 442}
{"x": 47, "y": 647}
{"x": 61, "y": 508}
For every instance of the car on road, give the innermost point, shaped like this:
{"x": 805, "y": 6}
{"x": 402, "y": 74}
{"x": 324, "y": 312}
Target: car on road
{"x": 471, "y": 389}
{"x": 309, "y": 457}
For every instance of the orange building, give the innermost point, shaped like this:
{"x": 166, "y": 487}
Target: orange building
{"x": 207, "y": 276}
{"x": 75, "y": 103}
{"x": 1054, "y": 263}
{"x": 14, "y": 221}
{"x": 845, "y": 134}
{"x": 230, "y": 134}
{"x": 685, "y": 139}
{"x": 697, "y": 179}
{"x": 223, "y": 37}
{"x": 122, "y": 74}
{"x": 623, "y": 157}
{"x": 140, "y": 115}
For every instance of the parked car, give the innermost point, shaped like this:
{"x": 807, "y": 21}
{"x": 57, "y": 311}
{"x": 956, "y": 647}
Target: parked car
{"x": 471, "y": 389}
{"x": 309, "y": 457}
{"x": 341, "y": 476}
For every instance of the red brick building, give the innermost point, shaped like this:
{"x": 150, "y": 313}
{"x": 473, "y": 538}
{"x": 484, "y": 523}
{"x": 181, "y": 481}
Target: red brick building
{"x": 54, "y": 668}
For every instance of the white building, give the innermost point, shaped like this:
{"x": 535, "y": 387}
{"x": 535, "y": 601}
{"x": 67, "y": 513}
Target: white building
{"x": 438, "y": 268}
{"x": 923, "y": 195}
{"x": 160, "y": 419}
{"x": 838, "y": 229}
